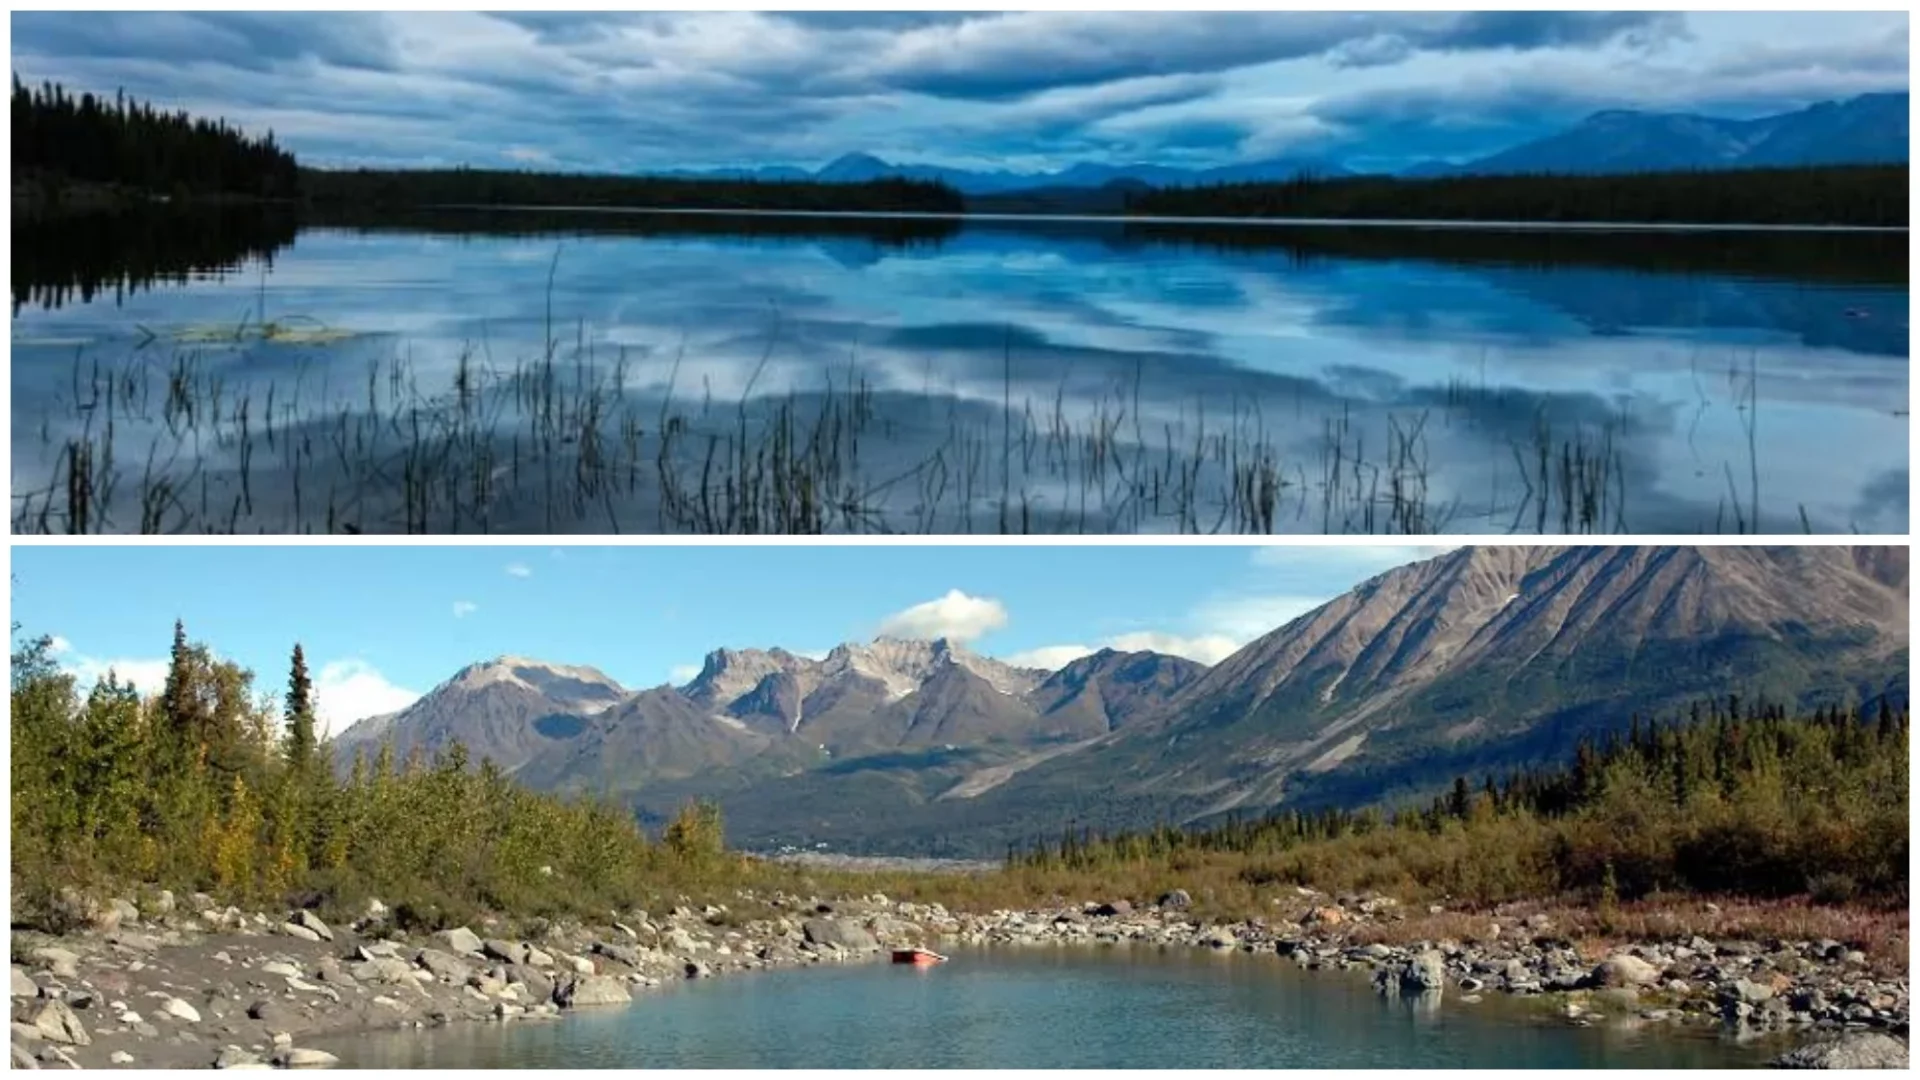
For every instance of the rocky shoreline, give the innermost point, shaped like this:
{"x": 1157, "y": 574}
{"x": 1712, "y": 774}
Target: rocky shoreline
{"x": 170, "y": 985}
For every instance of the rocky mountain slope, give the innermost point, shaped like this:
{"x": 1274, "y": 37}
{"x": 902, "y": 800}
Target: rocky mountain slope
{"x": 756, "y": 711}
{"x": 1482, "y": 659}
{"x": 1479, "y": 660}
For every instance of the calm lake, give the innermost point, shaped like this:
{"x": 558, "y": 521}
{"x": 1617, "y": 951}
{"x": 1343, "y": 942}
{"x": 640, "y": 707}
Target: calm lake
{"x": 555, "y": 371}
{"x": 1050, "y": 1008}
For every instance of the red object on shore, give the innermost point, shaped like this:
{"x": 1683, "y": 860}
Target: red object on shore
{"x": 917, "y": 956}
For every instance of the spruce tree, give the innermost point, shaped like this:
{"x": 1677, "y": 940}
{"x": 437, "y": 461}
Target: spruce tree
{"x": 300, "y": 737}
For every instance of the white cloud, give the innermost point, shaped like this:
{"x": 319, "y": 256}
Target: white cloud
{"x": 1048, "y": 657}
{"x": 519, "y": 570}
{"x": 527, "y": 155}
{"x": 955, "y": 616}
{"x": 350, "y": 690}
{"x": 57, "y": 645}
{"x": 464, "y": 608}
{"x": 146, "y": 676}
{"x": 682, "y": 674}
{"x": 1208, "y": 649}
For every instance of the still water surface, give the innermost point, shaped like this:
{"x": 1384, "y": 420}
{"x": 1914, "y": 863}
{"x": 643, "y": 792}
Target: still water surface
{"x": 592, "y": 372}
{"x": 1050, "y": 1008}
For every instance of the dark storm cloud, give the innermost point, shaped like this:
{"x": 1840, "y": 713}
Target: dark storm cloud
{"x": 1019, "y": 54}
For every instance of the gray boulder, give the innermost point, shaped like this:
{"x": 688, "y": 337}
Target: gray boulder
{"x": 624, "y": 954}
{"x": 23, "y": 985}
{"x": 1854, "y": 1050}
{"x": 297, "y": 1058}
{"x": 459, "y": 940}
{"x": 506, "y": 952}
{"x": 307, "y": 920}
{"x": 586, "y": 990}
{"x": 1624, "y": 970}
{"x": 64, "y": 963}
{"x": 56, "y": 1022}
{"x": 844, "y": 933}
{"x": 1423, "y": 975}
{"x": 1177, "y": 900}
{"x": 443, "y": 965}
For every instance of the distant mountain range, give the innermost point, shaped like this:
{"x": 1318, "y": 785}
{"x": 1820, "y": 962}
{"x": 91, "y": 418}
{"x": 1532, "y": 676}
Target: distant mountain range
{"x": 861, "y": 167}
{"x": 1478, "y": 661}
{"x": 1872, "y": 128}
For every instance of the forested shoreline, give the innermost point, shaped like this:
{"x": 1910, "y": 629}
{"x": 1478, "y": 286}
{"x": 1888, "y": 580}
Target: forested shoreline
{"x": 213, "y": 785}
{"x": 1729, "y": 801}
{"x": 1852, "y": 195}
{"x": 81, "y": 152}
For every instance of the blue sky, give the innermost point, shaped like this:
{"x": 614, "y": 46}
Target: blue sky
{"x": 1026, "y": 90}
{"x": 380, "y": 625}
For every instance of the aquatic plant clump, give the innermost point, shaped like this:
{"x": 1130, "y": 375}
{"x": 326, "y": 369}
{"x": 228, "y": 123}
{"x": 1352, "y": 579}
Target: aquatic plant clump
{"x": 563, "y": 445}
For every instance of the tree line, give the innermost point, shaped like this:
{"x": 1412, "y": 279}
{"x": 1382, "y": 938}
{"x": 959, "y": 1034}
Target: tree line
{"x": 60, "y": 138}
{"x": 404, "y": 188}
{"x": 1729, "y": 799}
{"x": 1858, "y": 195}
{"x": 216, "y": 785}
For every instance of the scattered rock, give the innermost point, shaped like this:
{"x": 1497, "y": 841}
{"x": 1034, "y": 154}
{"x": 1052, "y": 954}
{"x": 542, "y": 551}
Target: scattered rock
{"x": 23, "y": 984}
{"x": 295, "y": 930}
{"x": 1114, "y": 908}
{"x": 1326, "y": 916}
{"x": 180, "y": 1010}
{"x": 1177, "y": 900}
{"x": 120, "y": 1057}
{"x": 298, "y": 1058}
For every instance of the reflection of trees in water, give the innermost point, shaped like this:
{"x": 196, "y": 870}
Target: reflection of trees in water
{"x": 1860, "y": 258}
{"x": 76, "y": 258}
{"x": 881, "y": 232}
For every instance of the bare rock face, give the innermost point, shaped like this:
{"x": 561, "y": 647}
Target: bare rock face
{"x": 1854, "y": 1050}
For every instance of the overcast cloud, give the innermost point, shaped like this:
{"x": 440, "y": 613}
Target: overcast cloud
{"x": 627, "y": 92}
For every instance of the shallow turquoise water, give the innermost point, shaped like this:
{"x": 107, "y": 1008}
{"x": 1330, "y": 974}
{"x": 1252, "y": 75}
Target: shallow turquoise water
{"x": 1051, "y": 1008}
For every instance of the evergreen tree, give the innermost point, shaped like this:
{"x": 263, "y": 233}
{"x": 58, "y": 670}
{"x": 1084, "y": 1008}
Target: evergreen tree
{"x": 299, "y": 715}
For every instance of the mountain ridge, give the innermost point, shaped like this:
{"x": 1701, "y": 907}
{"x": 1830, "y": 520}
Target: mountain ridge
{"x": 1869, "y": 128}
{"x": 1481, "y": 659}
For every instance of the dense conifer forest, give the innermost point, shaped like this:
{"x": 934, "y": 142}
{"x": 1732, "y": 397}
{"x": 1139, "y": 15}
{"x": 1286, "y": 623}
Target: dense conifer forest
{"x": 1837, "y": 195}
{"x": 220, "y": 785}
{"x": 1730, "y": 800}
{"x": 60, "y": 139}
{"x": 404, "y": 188}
